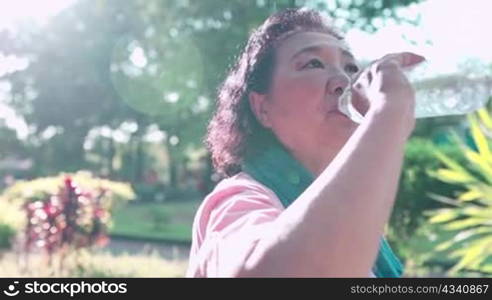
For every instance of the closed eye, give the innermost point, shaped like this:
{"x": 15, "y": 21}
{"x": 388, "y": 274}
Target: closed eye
{"x": 314, "y": 63}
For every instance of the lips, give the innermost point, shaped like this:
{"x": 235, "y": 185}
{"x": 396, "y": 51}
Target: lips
{"x": 336, "y": 112}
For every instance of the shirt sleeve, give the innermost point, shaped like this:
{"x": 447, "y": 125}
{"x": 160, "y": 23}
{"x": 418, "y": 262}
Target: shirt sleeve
{"x": 228, "y": 225}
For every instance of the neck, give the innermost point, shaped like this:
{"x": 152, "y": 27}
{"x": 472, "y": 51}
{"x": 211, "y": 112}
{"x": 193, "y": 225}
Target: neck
{"x": 314, "y": 161}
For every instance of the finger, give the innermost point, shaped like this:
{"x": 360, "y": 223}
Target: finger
{"x": 403, "y": 59}
{"x": 363, "y": 78}
{"x": 360, "y": 102}
{"x": 412, "y": 60}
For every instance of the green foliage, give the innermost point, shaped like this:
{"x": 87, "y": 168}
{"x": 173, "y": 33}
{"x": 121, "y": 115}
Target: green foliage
{"x": 22, "y": 191}
{"x": 150, "y": 192}
{"x": 470, "y": 215}
{"x": 11, "y": 214}
{"x": 412, "y": 198}
{"x": 82, "y": 73}
{"x": 6, "y": 234}
{"x": 12, "y": 220}
{"x": 37, "y": 195}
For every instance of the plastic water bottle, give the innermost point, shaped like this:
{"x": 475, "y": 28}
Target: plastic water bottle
{"x": 445, "y": 95}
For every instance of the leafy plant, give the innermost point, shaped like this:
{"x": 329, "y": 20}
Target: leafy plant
{"x": 412, "y": 199}
{"x": 12, "y": 220}
{"x": 62, "y": 215}
{"x": 116, "y": 193}
{"x": 470, "y": 215}
{"x": 6, "y": 234}
{"x": 72, "y": 218}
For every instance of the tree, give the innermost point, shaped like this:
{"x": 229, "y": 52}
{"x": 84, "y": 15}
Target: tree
{"x": 105, "y": 62}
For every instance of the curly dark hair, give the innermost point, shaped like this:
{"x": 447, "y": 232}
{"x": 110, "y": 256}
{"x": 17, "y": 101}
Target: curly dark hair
{"x": 234, "y": 132}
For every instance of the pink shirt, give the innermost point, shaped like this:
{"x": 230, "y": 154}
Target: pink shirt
{"x": 229, "y": 223}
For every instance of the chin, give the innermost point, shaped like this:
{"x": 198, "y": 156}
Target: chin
{"x": 338, "y": 119}
{"x": 338, "y": 130}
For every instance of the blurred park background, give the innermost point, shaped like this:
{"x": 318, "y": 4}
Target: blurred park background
{"x": 104, "y": 104}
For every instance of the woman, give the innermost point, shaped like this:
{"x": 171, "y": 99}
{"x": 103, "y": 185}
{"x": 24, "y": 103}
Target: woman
{"x": 308, "y": 191}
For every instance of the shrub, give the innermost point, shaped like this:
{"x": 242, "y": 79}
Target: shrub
{"x": 71, "y": 218}
{"x": 469, "y": 216}
{"x": 12, "y": 220}
{"x": 150, "y": 192}
{"x": 412, "y": 198}
{"x": 61, "y": 215}
{"x": 6, "y": 235}
{"x": 162, "y": 193}
{"x": 116, "y": 193}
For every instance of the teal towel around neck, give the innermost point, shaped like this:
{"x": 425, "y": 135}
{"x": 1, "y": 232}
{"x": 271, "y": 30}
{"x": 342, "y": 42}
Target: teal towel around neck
{"x": 287, "y": 178}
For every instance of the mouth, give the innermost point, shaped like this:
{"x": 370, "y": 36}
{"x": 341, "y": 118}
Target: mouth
{"x": 342, "y": 107}
{"x": 337, "y": 113}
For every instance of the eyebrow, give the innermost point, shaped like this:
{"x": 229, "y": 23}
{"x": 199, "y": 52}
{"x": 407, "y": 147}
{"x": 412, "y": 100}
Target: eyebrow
{"x": 319, "y": 48}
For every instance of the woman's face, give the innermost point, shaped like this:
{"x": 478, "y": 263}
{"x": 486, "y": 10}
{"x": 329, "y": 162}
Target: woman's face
{"x": 312, "y": 70}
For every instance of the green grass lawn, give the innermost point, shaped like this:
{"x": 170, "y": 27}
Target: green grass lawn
{"x": 161, "y": 221}
{"x": 86, "y": 264}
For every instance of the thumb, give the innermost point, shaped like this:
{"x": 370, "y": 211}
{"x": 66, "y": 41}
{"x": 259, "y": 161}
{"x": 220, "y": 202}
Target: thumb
{"x": 359, "y": 102}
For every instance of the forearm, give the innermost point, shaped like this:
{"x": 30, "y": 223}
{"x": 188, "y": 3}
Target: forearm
{"x": 334, "y": 228}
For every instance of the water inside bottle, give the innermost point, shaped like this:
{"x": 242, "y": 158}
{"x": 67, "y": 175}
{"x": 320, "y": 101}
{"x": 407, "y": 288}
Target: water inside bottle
{"x": 345, "y": 106}
{"x": 442, "y": 95}
{"x": 449, "y": 94}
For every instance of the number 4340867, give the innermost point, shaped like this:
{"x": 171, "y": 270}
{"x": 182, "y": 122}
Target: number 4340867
{"x": 465, "y": 289}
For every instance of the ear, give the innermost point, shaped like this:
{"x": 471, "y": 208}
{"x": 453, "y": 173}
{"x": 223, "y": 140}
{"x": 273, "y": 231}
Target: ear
{"x": 259, "y": 106}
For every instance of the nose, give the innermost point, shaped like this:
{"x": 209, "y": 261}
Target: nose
{"x": 337, "y": 84}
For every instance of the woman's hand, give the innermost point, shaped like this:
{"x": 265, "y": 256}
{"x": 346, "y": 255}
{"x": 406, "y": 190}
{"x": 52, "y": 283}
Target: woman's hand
{"x": 383, "y": 84}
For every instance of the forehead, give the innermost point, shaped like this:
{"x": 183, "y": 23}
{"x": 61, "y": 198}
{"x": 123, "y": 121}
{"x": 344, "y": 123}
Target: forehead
{"x": 310, "y": 40}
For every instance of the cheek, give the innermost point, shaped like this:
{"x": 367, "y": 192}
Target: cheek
{"x": 305, "y": 87}
{"x": 299, "y": 106}
{"x": 299, "y": 95}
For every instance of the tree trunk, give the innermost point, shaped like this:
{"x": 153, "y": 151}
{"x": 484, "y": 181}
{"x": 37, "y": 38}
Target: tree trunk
{"x": 110, "y": 156}
{"x": 69, "y": 156}
{"x": 173, "y": 168}
{"x": 207, "y": 176}
{"x": 139, "y": 160}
